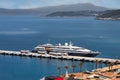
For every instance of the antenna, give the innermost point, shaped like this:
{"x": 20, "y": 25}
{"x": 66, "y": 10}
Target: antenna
{"x": 48, "y": 40}
{"x": 70, "y": 43}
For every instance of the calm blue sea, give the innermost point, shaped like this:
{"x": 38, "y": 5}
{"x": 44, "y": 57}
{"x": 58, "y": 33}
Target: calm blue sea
{"x": 25, "y": 32}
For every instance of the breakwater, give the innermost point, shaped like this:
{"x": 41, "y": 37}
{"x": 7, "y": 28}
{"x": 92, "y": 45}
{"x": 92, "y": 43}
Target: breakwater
{"x": 76, "y": 58}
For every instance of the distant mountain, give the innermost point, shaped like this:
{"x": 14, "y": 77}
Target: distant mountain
{"x": 47, "y": 10}
{"x": 110, "y": 15}
{"x": 19, "y": 11}
{"x": 74, "y": 13}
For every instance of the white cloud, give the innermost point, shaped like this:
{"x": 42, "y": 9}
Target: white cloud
{"x": 42, "y": 3}
{"x": 28, "y": 6}
{"x": 7, "y": 4}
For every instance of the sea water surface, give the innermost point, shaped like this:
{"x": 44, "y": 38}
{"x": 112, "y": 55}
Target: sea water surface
{"x": 25, "y": 32}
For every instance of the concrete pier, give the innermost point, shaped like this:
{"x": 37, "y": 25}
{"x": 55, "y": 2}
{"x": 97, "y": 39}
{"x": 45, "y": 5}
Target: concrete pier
{"x": 75, "y": 58}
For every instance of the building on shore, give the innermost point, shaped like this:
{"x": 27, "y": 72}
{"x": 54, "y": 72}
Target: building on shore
{"x": 106, "y": 73}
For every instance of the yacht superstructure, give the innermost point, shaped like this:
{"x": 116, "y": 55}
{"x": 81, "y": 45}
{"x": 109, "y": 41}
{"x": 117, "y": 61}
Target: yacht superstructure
{"x": 66, "y": 49}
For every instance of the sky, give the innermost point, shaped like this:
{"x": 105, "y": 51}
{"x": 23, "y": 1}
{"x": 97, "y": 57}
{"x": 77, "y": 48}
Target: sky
{"x": 25, "y": 4}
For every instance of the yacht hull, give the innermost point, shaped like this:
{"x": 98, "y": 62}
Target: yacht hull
{"x": 69, "y": 49}
{"x": 83, "y": 54}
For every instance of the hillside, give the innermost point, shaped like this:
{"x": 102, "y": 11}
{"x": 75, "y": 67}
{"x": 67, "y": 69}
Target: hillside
{"x": 51, "y": 9}
{"x": 19, "y": 12}
{"x": 73, "y": 13}
{"x": 110, "y": 15}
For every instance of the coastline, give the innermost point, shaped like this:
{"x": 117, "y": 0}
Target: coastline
{"x": 106, "y": 73}
{"x": 107, "y": 18}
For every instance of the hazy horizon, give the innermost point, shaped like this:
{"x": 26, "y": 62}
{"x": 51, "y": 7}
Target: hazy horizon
{"x": 27, "y": 4}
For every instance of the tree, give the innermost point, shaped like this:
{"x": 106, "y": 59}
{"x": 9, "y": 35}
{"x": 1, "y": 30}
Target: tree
{"x": 73, "y": 67}
{"x": 108, "y": 65}
{"x": 96, "y": 64}
{"x": 66, "y": 67}
{"x": 116, "y": 62}
{"x": 101, "y": 63}
{"x": 81, "y": 65}
{"x": 59, "y": 70}
{"x": 111, "y": 65}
